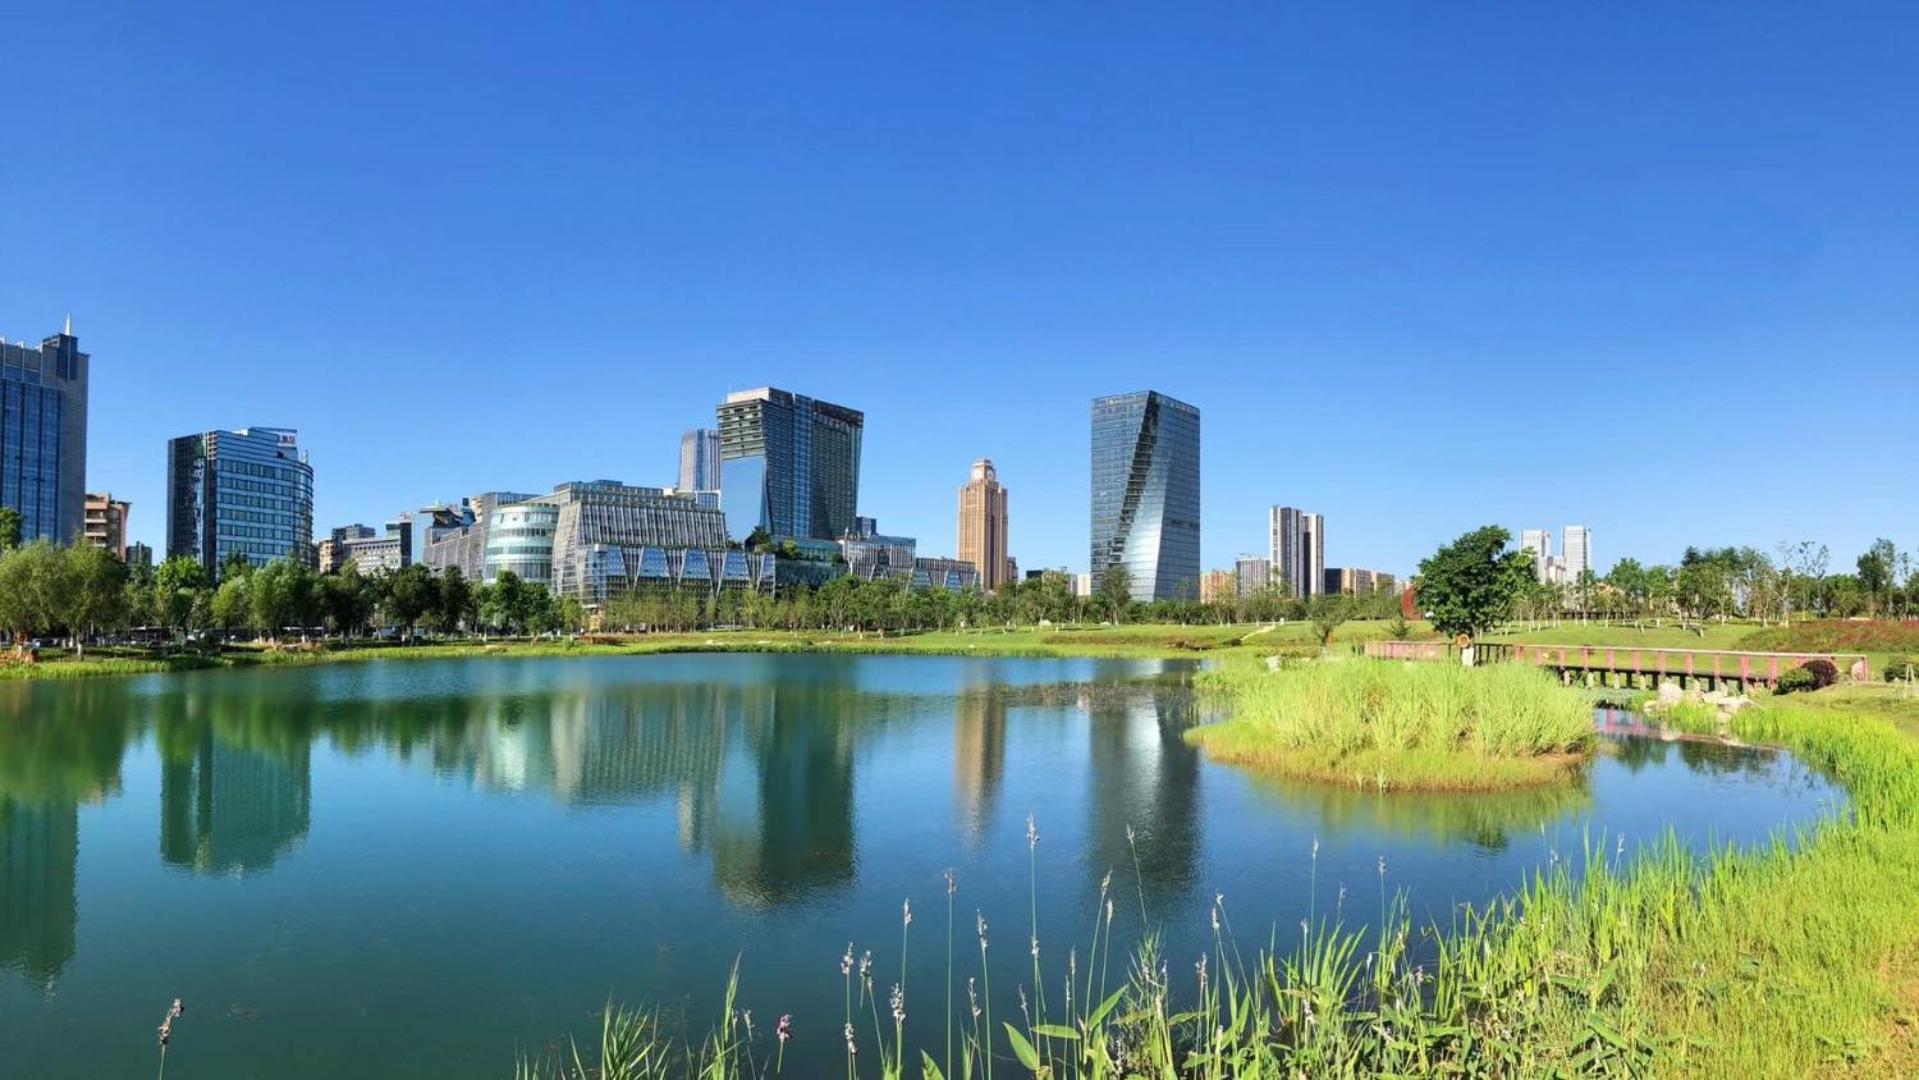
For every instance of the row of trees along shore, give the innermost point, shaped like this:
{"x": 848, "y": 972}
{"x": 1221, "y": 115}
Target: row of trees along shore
{"x": 84, "y": 592}
{"x": 1719, "y": 583}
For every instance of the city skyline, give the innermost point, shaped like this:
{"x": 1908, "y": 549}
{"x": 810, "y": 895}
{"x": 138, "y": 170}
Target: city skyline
{"x": 1214, "y": 202}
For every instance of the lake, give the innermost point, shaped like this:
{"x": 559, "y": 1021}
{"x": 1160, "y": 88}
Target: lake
{"x": 406, "y": 868}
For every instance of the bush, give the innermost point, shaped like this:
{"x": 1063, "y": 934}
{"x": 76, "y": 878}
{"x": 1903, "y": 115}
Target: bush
{"x": 1901, "y": 668}
{"x": 1824, "y": 673}
{"x": 1811, "y": 675}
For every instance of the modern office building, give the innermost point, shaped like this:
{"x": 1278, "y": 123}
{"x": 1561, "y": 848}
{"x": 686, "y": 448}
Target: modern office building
{"x": 700, "y": 460}
{"x": 519, "y": 539}
{"x": 871, "y": 556}
{"x": 789, "y": 465}
{"x": 1298, "y": 552}
{"x": 1578, "y": 555}
{"x": 952, "y": 575}
{"x": 1540, "y": 543}
{"x": 389, "y": 553}
{"x": 139, "y": 554}
{"x": 43, "y": 435}
{"x": 456, "y": 537}
{"x": 1218, "y": 586}
{"x": 106, "y": 523}
{"x": 1251, "y": 574}
{"x": 248, "y": 491}
{"x": 1145, "y": 481}
{"x": 610, "y": 538}
{"x": 982, "y": 526}
{"x": 330, "y": 554}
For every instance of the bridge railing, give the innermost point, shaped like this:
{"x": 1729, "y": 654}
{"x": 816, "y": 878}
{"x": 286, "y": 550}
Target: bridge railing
{"x": 1717, "y": 664}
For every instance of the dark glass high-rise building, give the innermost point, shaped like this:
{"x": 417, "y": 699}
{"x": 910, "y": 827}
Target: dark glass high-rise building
{"x": 248, "y": 491}
{"x": 1146, "y": 493}
{"x": 43, "y": 436}
{"x": 789, "y": 464}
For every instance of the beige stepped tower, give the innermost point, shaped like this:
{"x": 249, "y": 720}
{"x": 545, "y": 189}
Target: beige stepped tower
{"x": 982, "y": 525}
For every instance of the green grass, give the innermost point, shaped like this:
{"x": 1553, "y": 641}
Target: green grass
{"x": 1668, "y": 636}
{"x": 1772, "y": 961}
{"x": 1150, "y": 641}
{"x": 1401, "y": 726}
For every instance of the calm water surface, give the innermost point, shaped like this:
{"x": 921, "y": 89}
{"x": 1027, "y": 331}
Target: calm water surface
{"x": 422, "y": 868}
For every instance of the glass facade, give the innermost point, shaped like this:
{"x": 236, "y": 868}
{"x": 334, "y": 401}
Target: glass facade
{"x": 1146, "y": 493}
{"x": 790, "y": 464}
{"x": 248, "y": 491}
{"x": 520, "y": 538}
{"x": 610, "y": 538}
{"x": 700, "y": 460}
{"x": 43, "y": 436}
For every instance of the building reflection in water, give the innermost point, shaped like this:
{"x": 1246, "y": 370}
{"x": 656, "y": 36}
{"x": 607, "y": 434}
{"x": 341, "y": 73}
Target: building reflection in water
{"x": 60, "y": 747}
{"x": 1145, "y": 777}
{"x": 979, "y": 759}
{"x": 229, "y": 808}
{"x": 39, "y": 849}
{"x": 760, "y": 776}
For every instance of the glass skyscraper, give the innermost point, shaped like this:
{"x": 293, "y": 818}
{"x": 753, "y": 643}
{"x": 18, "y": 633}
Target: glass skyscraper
{"x": 248, "y": 491}
{"x": 43, "y": 436}
{"x": 1146, "y": 493}
{"x": 789, "y": 465}
{"x": 700, "y": 460}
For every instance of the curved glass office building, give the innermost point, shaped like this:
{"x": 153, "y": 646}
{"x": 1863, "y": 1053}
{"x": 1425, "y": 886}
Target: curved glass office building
{"x": 520, "y": 538}
{"x": 1146, "y": 493}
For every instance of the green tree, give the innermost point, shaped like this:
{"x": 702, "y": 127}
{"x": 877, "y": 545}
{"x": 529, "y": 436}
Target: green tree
{"x": 236, "y": 564}
{"x": 10, "y": 528}
{"x": 456, "y": 600}
{"x": 1116, "y": 591}
{"x": 176, "y": 585}
{"x": 1468, "y": 586}
{"x": 36, "y": 588}
{"x": 412, "y": 593}
{"x": 1328, "y": 613}
{"x": 97, "y": 593}
{"x": 347, "y": 600}
{"x": 232, "y": 604}
{"x": 1877, "y": 570}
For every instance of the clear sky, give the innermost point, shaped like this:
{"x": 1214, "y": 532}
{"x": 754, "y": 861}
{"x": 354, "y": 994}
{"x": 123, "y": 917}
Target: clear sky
{"x": 1651, "y": 268}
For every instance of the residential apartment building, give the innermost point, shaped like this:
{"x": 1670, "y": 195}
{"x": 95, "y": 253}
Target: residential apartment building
{"x": 106, "y": 523}
{"x": 1145, "y": 493}
{"x": 248, "y": 492}
{"x": 1251, "y": 575}
{"x": 1578, "y": 554}
{"x": 1298, "y": 550}
{"x": 43, "y": 435}
{"x": 982, "y": 526}
{"x": 1218, "y": 586}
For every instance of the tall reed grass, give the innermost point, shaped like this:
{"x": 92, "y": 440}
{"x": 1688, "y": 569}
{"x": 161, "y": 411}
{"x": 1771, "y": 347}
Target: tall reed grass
{"x": 1396, "y": 724}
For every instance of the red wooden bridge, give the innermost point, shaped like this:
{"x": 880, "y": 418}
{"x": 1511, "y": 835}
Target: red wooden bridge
{"x": 1634, "y": 666}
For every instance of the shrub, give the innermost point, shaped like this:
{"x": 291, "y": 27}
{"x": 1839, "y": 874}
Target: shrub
{"x": 1824, "y": 673}
{"x": 1795, "y": 680}
{"x": 1901, "y": 668}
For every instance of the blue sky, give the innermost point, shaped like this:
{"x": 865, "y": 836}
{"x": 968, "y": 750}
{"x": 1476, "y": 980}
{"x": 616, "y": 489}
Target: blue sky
{"x": 1421, "y": 267}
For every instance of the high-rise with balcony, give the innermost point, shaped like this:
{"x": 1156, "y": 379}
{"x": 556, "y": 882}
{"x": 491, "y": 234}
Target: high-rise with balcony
{"x": 1145, "y": 481}
{"x": 789, "y": 464}
{"x": 1540, "y": 543}
{"x": 982, "y": 525}
{"x": 1298, "y": 552}
{"x": 43, "y": 435}
{"x": 106, "y": 524}
{"x": 246, "y": 492}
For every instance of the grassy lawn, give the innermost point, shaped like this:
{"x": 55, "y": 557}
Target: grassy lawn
{"x": 1152, "y": 641}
